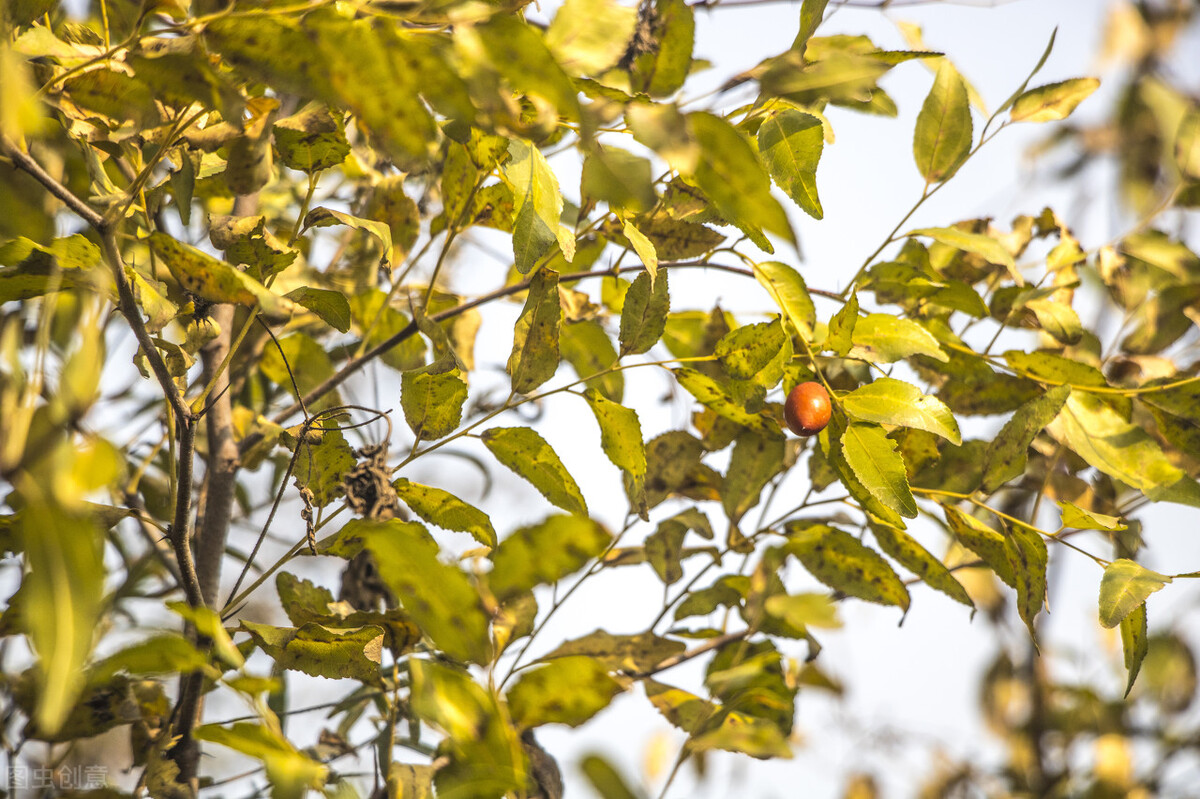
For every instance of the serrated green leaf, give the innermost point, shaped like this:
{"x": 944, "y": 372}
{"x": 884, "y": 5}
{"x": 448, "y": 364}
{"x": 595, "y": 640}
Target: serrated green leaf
{"x": 878, "y": 466}
{"x": 321, "y": 463}
{"x": 746, "y": 351}
{"x": 843, "y": 563}
{"x": 909, "y": 553}
{"x": 790, "y": 143}
{"x": 439, "y": 597}
{"x": 890, "y": 401}
{"x": 1053, "y": 101}
{"x": 787, "y": 288}
{"x": 944, "y": 131}
{"x": 1008, "y": 452}
{"x": 443, "y": 509}
{"x": 644, "y": 314}
{"x": 529, "y": 456}
{"x": 566, "y": 690}
{"x": 535, "y": 353}
{"x": 832, "y": 451}
{"x": 882, "y": 338}
{"x": 1124, "y": 587}
{"x": 321, "y": 651}
{"x": 545, "y": 553}
{"x": 730, "y": 174}
{"x": 537, "y": 203}
{"x": 331, "y": 306}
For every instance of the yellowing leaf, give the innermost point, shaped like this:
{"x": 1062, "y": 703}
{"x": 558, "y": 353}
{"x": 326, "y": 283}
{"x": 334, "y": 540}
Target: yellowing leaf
{"x": 61, "y": 605}
{"x": 322, "y": 651}
{"x": 1053, "y": 101}
{"x": 787, "y": 288}
{"x": 535, "y": 352}
{"x": 589, "y": 36}
{"x": 890, "y": 401}
{"x": 1124, "y": 587}
{"x": 909, "y": 553}
{"x": 644, "y": 314}
{"x": 746, "y": 351}
{"x": 1135, "y": 643}
{"x": 1122, "y": 450}
{"x": 620, "y": 438}
{"x": 980, "y": 244}
{"x": 291, "y": 773}
{"x": 1076, "y": 518}
{"x": 214, "y": 280}
{"x": 485, "y": 755}
{"x": 843, "y": 563}
{"x": 805, "y": 610}
{"x": 528, "y": 455}
{"x": 755, "y": 460}
{"x": 1008, "y": 452}
{"x": 633, "y": 653}
{"x": 537, "y": 203}
{"x": 445, "y": 510}
{"x": 944, "y": 131}
{"x": 619, "y": 178}
{"x": 589, "y": 351}
{"x": 643, "y": 247}
{"x": 432, "y": 398}
{"x": 1026, "y": 552}
{"x": 730, "y": 174}
{"x": 878, "y": 466}
{"x": 710, "y": 393}
{"x": 520, "y": 53}
{"x": 883, "y": 338}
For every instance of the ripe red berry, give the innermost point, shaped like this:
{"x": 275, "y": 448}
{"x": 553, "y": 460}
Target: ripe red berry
{"x": 807, "y": 409}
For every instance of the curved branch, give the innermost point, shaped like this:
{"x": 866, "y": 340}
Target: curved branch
{"x": 355, "y": 364}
